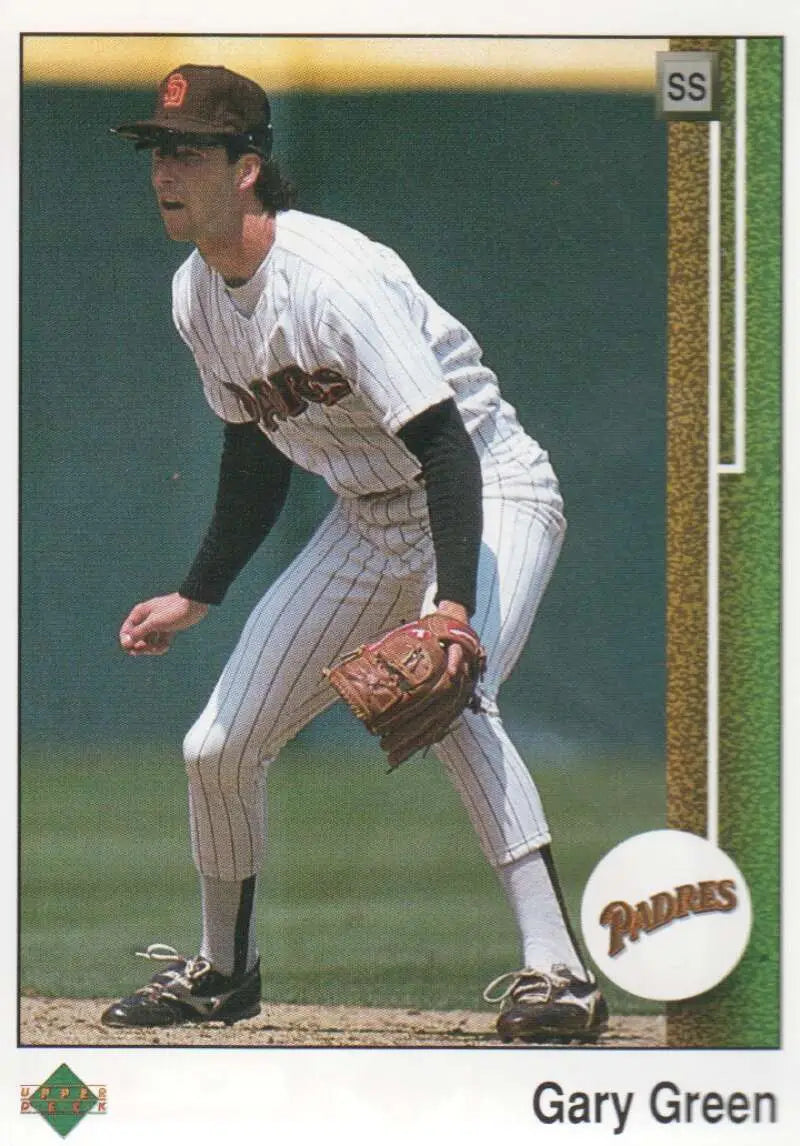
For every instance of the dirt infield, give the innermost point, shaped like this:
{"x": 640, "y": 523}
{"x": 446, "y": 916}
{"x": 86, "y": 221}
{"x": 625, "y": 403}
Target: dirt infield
{"x": 76, "y": 1022}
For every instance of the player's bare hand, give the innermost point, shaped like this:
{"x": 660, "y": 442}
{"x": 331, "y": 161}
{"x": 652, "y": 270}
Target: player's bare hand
{"x": 455, "y": 654}
{"x": 150, "y": 626}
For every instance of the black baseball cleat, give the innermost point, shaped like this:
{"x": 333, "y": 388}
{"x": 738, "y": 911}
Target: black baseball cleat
{"x": 187, "y": 991}
{"x": 548, "y": 1006}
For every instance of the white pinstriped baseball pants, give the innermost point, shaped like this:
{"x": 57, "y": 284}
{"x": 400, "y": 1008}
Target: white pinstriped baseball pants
{"x": 369, "y": 566}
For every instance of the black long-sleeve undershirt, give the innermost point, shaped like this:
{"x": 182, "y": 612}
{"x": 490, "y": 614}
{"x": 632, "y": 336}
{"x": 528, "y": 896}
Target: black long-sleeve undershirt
{"x": 252, "y": 487}
{"x": 254, "y": 481}
{"x": 451, "y": 471}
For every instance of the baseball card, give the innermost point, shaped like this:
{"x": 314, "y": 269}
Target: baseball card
{"x": 405, "y": 640}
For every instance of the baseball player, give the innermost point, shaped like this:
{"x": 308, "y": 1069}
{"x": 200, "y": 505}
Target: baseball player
{"x": 317, "y": 348}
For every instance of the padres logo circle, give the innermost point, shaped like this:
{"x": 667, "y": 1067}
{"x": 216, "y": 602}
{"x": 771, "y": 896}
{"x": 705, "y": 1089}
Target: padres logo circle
{"x": 666, "y": 915}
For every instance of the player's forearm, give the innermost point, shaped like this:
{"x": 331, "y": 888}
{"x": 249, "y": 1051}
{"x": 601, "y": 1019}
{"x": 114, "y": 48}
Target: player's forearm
{"x": 223, "y": 554}
{"x": 452, "y": 474}
{"x": 252, "y": 488}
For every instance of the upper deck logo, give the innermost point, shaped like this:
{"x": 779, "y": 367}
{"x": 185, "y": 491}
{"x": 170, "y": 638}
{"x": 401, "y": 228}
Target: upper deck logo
{"x": 63, "y": 1100}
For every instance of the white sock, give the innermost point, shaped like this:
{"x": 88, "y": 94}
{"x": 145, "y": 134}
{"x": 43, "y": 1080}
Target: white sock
{"x": 532, "y": 889}
{"x": 229, "y": 939}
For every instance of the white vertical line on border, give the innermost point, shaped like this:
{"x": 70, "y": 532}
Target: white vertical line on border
{"x": 739, "y": 463}
{"x": 741, "y": 255}
{"x": 712, "y": 672}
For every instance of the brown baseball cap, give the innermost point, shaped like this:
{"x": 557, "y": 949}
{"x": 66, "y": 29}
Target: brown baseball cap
{"x": 202, "y": 100}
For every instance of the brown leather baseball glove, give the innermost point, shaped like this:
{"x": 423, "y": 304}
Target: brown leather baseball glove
{"x": 399, "y": 686}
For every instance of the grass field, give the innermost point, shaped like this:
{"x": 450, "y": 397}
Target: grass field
{"x": 374, "y": 891}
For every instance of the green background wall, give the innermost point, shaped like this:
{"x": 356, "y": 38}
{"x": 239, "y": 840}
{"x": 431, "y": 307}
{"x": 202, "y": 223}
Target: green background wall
{"x": 538, "y": 218}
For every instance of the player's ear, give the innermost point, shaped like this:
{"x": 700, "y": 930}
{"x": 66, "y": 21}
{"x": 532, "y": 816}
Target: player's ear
{"x": 249, "y": 166}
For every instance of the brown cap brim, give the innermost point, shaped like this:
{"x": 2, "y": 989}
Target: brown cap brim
{"x": 153, "y": 127}
{"x": 148, "y": 133}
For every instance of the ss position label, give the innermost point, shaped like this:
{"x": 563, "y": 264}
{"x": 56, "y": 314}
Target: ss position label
{"x": 687, "y": 85}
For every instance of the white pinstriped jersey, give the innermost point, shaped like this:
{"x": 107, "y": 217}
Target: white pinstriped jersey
{"x": 341, "y": 349}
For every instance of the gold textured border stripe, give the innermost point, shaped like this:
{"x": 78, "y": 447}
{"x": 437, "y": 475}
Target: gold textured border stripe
{"x": 687, "y": 489}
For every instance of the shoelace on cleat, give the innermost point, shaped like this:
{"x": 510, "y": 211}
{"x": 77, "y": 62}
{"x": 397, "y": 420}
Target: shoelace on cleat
{"x": 539, "y": 985}
{"x": 160, "y": 952}
{"x": 185, "y": 978}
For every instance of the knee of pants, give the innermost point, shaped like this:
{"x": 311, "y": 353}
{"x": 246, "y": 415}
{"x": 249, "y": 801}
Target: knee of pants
{"x": 219, "y": 757}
